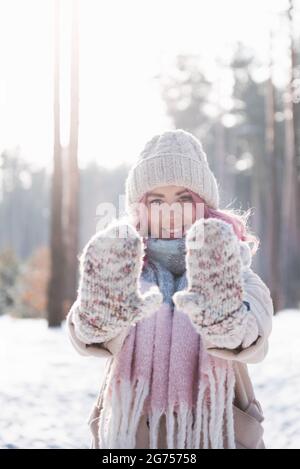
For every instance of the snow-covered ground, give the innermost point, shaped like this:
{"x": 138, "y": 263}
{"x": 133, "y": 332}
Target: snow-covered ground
{"x": 47, "y": 390}
{"x": 277, "y": 383}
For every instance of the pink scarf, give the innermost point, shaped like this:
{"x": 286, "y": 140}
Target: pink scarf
{"x": 164, "y": 368}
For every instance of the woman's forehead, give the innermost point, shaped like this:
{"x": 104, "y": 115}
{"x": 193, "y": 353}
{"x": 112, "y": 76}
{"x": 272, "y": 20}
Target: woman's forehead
{"x": 168, "y": 189}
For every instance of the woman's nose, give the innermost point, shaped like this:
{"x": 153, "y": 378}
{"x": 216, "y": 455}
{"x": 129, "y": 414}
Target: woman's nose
{"x": 175, "y": 218}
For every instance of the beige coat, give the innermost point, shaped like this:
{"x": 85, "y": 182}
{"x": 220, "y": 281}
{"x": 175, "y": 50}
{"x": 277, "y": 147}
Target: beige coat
{"x": 248, "y": 414}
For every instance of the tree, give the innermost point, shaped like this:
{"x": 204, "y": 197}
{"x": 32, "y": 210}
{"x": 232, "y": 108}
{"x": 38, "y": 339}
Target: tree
{"x": 291, "y": 182}
{"x": 57, "y": 251}
{"x": 31, "y": 288}
{"x": 274, "y": 199}
{"x": 72, "y": 173}
{"x": 9, "y": 270}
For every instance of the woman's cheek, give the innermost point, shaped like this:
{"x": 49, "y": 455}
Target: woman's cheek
{"x": 189, "y": 217}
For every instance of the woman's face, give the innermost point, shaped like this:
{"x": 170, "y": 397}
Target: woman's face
{"x": 170, "y": 211}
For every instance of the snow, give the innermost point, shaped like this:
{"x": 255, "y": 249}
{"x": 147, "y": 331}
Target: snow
{"x": 277, "y": 383}
{"x": 48, "y": 390}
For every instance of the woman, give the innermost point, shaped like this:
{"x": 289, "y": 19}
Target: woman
{"x": 170, "y": 297}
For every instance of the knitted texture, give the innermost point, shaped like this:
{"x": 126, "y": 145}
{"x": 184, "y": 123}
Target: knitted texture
{"x": 214, "y": 297}
{"x": 109, "y": 297}
{"x": 165, "y": 258}
{"x": 169, "y": 252}
{"x": 163, "y": 370}
{"x": 173, "y": 157}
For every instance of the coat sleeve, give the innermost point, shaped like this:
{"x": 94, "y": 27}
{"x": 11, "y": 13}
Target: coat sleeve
{"x": 103, "y": 349}
{"x": 257, "y": 294}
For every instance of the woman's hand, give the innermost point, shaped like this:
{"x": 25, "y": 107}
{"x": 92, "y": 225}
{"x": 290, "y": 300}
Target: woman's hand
{"x": 108, "y": 295}
{"x": 214, "y": 297}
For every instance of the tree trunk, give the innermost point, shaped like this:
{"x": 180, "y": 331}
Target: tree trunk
{"x": 273, "y": 238}
{"x": 56, "y": 282}
{"x": 290, "y": 212}
{"x": 72, "y": 196}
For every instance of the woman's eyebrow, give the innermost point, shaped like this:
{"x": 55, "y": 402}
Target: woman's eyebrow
{"x": 154, "y": 194}
{"x": 181, "y": 192}
{"x": 162, "y": 195}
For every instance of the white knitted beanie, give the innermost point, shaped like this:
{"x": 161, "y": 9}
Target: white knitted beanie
{"x": 175, "y": 157}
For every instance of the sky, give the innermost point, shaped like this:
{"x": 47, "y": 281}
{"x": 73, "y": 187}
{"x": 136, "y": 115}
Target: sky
{"x": 123, "y": 45}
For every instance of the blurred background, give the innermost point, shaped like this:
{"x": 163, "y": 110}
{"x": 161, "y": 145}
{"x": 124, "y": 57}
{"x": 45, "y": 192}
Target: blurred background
{"x": 83, "y": 86}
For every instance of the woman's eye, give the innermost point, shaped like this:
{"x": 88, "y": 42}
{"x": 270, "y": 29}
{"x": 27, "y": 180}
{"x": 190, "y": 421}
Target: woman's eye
{"x": 182, "y": 199}
{"x": 155, "y": 201}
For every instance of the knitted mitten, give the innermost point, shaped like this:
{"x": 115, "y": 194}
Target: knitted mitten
{"x": 214, "y": 297}
{"x": 108, "y": 295}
